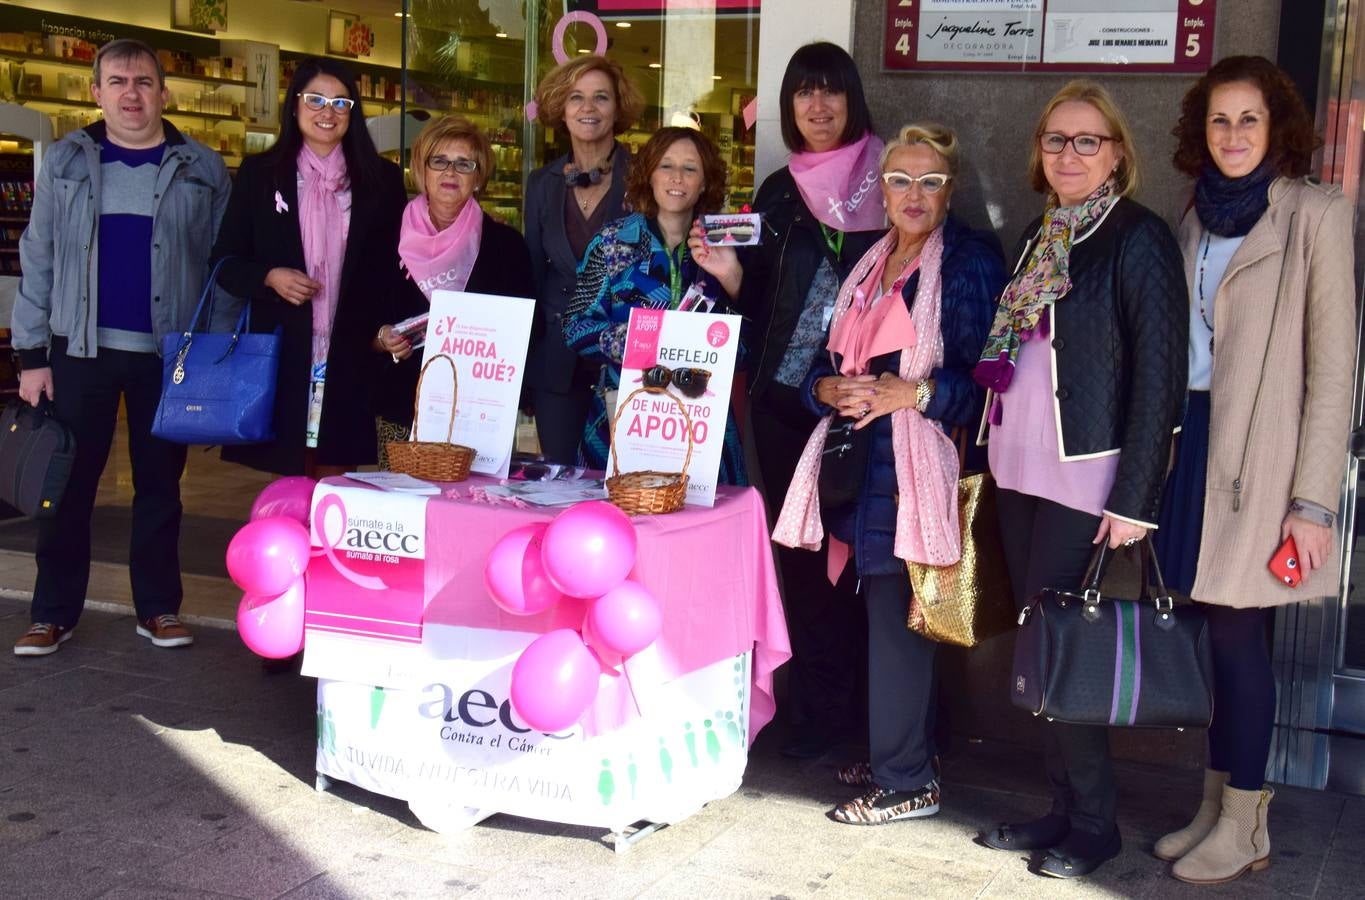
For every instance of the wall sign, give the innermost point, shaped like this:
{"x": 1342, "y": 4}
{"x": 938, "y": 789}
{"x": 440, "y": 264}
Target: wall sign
{"x": 1050, "y": 35}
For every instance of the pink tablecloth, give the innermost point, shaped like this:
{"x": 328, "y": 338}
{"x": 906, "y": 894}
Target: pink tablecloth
{"x": 711, "y": 568}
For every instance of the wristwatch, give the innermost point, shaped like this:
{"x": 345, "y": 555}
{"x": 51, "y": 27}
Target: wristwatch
{"x": 924, "y": 392}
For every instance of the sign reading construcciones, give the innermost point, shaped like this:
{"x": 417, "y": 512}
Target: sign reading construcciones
{"x": 1050, "y": 35}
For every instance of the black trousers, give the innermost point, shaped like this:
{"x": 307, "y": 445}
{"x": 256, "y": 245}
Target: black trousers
{"x": 1049, "y": 545}
{"x": 87, "y": 400}
{"x": 560, "y": 420}
{"x": 901, "y": 688}
{"x": 825, "y": 622}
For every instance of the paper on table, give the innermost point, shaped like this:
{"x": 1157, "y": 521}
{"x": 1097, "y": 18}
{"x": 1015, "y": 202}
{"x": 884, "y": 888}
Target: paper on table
{"x": 395, "y": 481}
{"x": 550, "y": 493}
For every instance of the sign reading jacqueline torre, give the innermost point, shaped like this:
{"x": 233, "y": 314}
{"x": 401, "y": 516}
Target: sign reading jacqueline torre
{"x": 1050, "y": 35}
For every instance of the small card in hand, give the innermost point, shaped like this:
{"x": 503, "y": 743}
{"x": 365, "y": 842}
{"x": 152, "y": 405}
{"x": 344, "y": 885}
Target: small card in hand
{"x": 732, "y": 229}
{"x": 414, "y": 329}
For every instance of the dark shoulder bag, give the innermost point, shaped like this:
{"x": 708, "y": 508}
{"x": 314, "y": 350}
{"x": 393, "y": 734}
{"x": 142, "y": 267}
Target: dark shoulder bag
{"x": 843, "y": 464}
{"x": 1091, "y": 659}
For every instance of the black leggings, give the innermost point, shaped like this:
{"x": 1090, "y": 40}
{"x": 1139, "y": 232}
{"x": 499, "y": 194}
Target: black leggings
{"x": 1243, "y": 694}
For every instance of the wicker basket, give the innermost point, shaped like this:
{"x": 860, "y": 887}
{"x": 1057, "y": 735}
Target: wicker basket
{"x": 432, "y": 460}
{"x": 648, "y": 493}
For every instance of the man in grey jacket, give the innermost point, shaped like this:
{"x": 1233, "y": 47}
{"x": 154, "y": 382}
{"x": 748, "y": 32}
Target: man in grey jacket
{"x": 125, "y": 213}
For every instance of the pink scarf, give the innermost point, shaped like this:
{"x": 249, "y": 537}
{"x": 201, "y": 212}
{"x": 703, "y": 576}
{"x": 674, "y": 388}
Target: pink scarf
{"x": 873, "y": 326}
{"x": 440, "y": 260}
{"x": 323, "y": 224}
{"x": 840, "y": 185}
{"x": 927, "y": 529}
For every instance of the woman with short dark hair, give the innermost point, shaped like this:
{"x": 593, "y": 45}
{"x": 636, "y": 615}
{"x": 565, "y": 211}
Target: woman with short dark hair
{"x": 643, "y": 260}
{"x": 310, "y": 238}
{"x": 1263, "y": 448}
{"x": 821, "y": 213}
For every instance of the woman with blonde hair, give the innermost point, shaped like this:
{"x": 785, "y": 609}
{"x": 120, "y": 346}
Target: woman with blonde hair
{"x": 906, "y": 330}
{"x": 568, "y": 200}
{"x": 446, "y": 242}
{"x": 1085, "y": 371}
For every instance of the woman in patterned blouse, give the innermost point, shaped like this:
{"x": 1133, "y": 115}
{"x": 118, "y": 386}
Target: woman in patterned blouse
{"x": 643, "y": 260}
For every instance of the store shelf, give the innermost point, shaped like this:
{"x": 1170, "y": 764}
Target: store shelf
{"x": 86, "y": 67}
{"x": 90, "y": 104}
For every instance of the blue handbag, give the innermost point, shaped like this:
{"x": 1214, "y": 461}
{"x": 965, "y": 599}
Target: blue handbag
{"x": 218, "y": 388}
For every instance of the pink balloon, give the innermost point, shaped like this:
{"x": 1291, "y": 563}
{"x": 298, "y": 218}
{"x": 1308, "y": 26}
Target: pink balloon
{"x": 589, "y": 549}
{"x": 515, "y": 576}
{"x": 554, "y": 681}
{"x": 627, "y": 618}
{"x": 272, "y": 626}
{"x": 291, "y": 497}
{"x": 606, "y": 656}
{"x": 267, "y": 555}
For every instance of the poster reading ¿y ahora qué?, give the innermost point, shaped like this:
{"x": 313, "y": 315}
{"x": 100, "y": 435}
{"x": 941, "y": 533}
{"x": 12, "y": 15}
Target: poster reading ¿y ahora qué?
{"x": 696, "y": 353}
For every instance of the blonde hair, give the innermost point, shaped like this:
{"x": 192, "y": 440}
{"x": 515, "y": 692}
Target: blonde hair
{"x": 939, "y": 138}
{"x": 442, "y": 131}
{"x": 1081, "y": 91}
{"x": 553, "y": 92}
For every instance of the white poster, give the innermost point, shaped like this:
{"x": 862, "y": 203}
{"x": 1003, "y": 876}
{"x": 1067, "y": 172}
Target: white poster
{"x": 486, "y": 337}
{"x": 453, "y": 740}
{"x": 693, "y": 355}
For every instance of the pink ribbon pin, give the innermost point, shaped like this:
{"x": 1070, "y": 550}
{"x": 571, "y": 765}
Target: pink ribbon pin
{"x": 280, "y": 205}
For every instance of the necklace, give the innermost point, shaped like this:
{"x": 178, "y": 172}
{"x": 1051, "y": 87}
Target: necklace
{"x": 1203, "y": 262}
{"x": 589, "y": 195}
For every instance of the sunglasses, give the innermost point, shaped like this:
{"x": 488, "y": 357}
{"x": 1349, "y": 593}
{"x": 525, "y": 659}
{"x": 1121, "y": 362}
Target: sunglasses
{"x": 930, "y": 183}
{"x": 340, "y": 105}
{"x": 459, "y": 164}
{"x": 689, "y": 382}
{"x": 1054, "y": 142}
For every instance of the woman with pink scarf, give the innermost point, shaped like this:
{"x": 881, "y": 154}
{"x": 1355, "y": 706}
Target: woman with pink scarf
{"x": 310, "y": 238}
{"x": 906, "y": 330}
{"x": 447, "y": 243}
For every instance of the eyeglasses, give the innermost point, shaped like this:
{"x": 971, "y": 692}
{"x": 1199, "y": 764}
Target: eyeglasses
{"x": 930, "y": 182}
{"x": 460, "y": 164}
{"x": 1054, "y": 142}
{"x": 340, "y": 105}
{"x": 689, "y": 382}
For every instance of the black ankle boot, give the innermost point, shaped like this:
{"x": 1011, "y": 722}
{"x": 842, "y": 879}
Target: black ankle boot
{"x": 1040, "y": 834}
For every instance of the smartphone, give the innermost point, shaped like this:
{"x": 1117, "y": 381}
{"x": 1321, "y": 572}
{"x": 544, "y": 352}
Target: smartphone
{"x": 1284, "y": 565}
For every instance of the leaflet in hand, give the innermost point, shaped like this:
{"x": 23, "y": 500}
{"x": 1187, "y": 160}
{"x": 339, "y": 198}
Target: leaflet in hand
{"x": 414, "y": 329}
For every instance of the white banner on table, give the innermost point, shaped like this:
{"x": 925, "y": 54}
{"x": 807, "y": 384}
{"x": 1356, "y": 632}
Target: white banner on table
{"x": 456, "y": 740}
{"x": 651, "y": 434}
{"x": 487, "y": 337}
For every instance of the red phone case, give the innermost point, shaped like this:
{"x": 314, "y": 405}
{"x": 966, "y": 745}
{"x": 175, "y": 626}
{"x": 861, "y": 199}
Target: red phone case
{"x": 1284, "y": 565}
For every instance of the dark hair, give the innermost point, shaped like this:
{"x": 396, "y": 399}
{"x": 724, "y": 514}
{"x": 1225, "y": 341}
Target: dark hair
{"x": 640, "y": 193}
{"x": 125, "y": 49}
{"x": 362, "y": 159}
{"x": 1292, "y": 140}
{"x": 823, "y": 65}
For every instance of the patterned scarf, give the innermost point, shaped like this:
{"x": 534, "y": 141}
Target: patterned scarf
{"x": 1228, "y": 207}
{"x": 323, "y": 232}
{"x": 1042, "y": 281}
{"x": 927, "y": 529}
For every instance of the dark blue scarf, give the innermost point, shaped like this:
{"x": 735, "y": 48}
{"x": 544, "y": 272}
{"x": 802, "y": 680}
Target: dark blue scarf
{"x": 1228, "y": 207}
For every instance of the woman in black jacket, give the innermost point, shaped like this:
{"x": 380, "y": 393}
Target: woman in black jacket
{"x": 447, "y": 242}
{"x": 1085, "y": 366}
{"x": 310, "y": 238}
{"x": 821, "y": 214}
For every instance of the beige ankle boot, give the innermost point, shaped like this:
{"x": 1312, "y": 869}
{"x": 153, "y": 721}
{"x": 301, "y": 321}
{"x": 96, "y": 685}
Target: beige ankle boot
{"x": 1178, "y": 843}
{"x": 1237, "y": 843}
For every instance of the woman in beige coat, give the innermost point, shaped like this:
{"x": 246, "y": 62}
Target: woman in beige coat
{"x": 1261, "y": 457}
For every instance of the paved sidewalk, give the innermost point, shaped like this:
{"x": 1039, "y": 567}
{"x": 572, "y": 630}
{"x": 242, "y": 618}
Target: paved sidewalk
{"x": 131, "y": 772}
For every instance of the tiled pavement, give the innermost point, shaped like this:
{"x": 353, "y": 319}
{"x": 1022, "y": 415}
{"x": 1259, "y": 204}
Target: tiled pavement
{"x": 127, "y": 771}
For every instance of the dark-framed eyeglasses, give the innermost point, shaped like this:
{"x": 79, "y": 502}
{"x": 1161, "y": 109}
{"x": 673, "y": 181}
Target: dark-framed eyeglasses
{"x": 929, "y": 182}
{"x": 461, "y": 164}
{"x": 1054, "y": 142}
{"x": 340, "y": 105}
{"x": 689, "y": 382}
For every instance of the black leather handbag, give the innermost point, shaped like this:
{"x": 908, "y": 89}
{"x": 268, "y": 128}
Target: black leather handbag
{"x": 36, "y": 453}
{"x": 843, "y": 464}
{"x": 1090, "y": 659}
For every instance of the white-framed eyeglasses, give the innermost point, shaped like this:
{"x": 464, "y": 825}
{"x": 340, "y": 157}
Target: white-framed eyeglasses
{"x": 340, "y": 105}
{"x": 461, "y": 164}
{"x": 929, "y": 182}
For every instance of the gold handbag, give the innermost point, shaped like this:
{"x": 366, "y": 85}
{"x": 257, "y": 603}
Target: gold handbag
{"x": 971, "y": 600}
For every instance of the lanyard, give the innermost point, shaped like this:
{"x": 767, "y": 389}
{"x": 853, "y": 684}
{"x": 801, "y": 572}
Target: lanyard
{"x": 834, "y": 240}
{"x": 674, "y": 275}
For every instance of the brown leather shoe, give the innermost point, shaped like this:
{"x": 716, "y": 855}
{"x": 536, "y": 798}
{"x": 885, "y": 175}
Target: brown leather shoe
{"x": 41, "y": 639}
{"x": 165, "y": 631}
